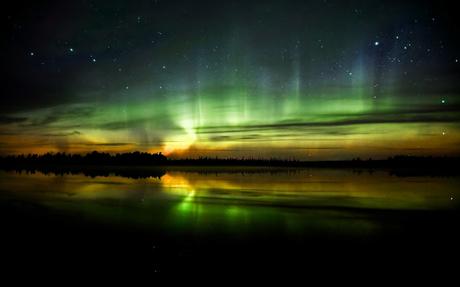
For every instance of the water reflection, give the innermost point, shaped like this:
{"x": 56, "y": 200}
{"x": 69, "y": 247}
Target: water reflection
{"x": 235, "y": 202}
{"x": 290, "y": 188}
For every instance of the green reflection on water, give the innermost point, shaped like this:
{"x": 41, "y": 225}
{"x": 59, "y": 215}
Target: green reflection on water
{"x": 237, "y": 204}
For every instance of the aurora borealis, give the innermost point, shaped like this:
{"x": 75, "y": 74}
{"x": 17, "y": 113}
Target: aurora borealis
{"x": 289, "y": 79}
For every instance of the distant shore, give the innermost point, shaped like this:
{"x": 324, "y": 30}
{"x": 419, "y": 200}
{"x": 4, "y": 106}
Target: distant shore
{"x": 139, "y": 165}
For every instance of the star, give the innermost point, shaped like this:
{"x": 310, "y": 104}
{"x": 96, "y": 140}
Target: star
{"x": 225, "y": 73}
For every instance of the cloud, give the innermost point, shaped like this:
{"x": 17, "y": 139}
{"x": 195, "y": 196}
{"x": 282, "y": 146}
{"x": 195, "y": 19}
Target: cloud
{"x": 4, "y": 120}
{"x": 160, "y": 123}
{"x": 405, "y": 110}
{"x": 350, "y": 121}
{"x": 62, "y": 134}
{"x": 114, "y": 144}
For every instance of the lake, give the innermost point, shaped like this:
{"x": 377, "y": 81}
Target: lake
{"x": 189, "y": 219}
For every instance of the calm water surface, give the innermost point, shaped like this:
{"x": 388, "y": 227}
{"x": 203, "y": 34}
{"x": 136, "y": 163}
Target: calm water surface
{"x": 164, "y": 223}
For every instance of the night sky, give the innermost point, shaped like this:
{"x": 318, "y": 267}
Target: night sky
{"x": 289, "y": 79}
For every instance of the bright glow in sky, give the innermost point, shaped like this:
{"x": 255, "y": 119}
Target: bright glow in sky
{"x": 313, "y": 80}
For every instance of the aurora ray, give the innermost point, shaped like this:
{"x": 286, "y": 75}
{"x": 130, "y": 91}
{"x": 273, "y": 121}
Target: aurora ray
{"x": 320, "y": 80}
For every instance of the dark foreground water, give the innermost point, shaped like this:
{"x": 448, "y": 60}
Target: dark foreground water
{"x": 228, "y": 220}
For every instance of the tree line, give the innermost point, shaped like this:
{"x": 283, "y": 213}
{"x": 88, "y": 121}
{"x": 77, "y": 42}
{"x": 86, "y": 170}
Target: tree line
{"x": 137, "y": 158}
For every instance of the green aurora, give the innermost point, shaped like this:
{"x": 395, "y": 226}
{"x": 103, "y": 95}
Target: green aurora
{"x": 272, "y": 80}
